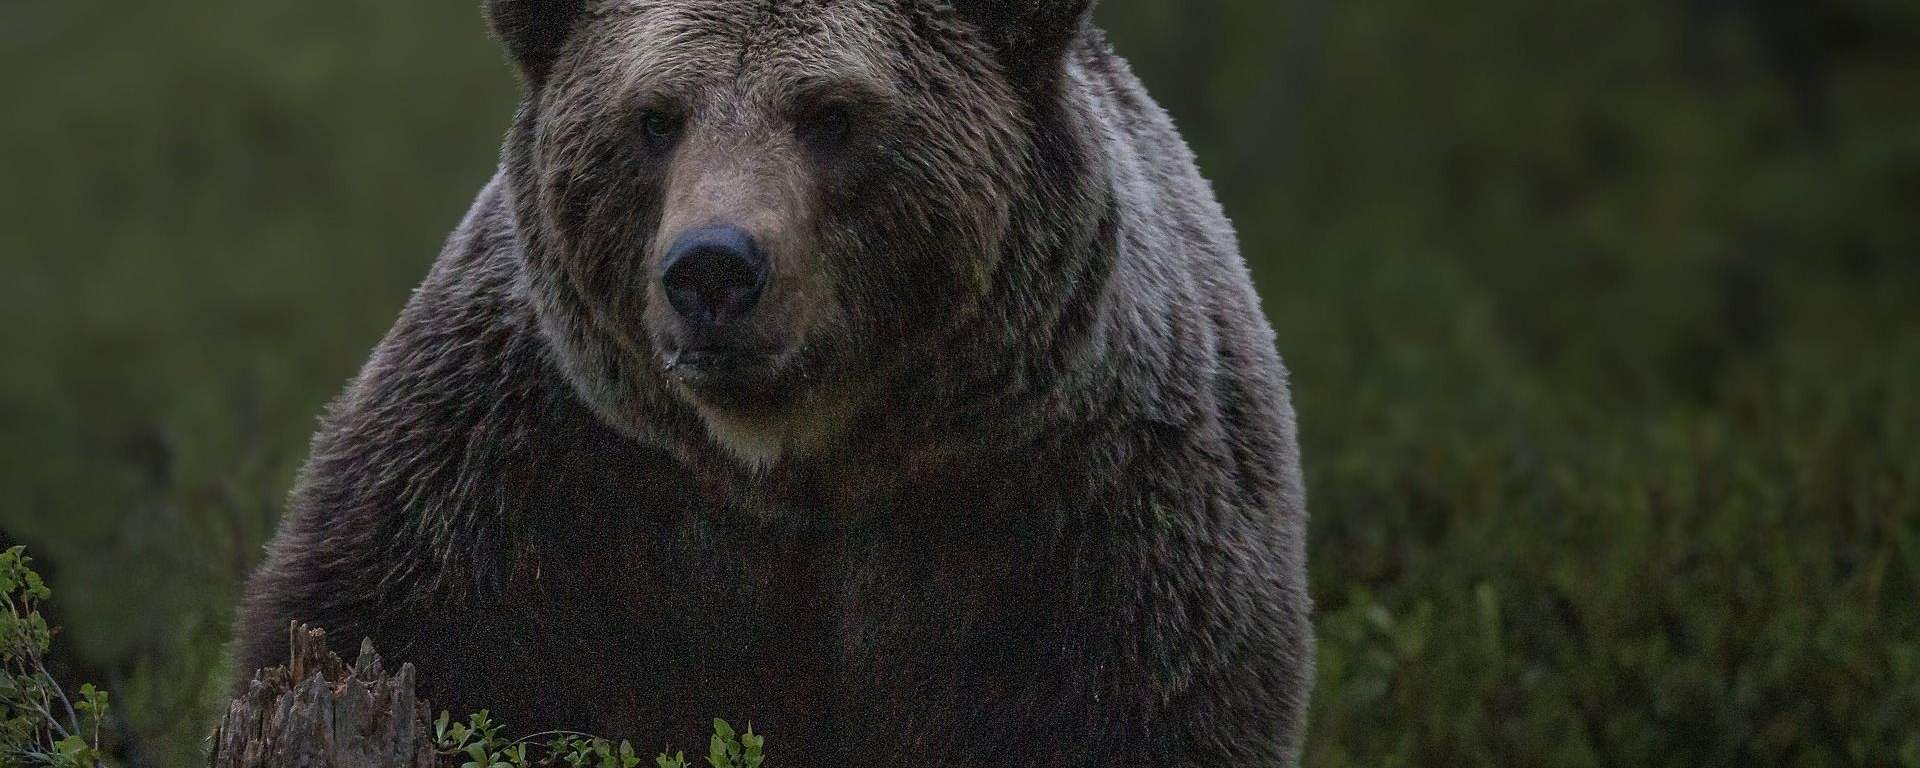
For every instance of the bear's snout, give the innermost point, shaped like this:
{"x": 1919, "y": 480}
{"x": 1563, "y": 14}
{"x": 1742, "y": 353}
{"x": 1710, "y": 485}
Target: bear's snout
{"x": 713, "y": 277}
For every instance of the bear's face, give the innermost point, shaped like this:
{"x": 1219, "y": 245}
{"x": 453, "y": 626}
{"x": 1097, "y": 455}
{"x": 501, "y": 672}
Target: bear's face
{"x": 740, "y": 206}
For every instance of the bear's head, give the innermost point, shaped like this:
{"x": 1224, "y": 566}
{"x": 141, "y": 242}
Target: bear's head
{"x": 752, "y": 218}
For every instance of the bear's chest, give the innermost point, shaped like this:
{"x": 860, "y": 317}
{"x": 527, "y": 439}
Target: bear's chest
{"x": 686, "y": 610}
{"x": 688, "y": 614}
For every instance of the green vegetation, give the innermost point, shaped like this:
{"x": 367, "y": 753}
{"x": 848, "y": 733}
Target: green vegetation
{"x": 479, "y": 743}
{"x": 39, "y": 724}
{"x": 1601, "y": 318}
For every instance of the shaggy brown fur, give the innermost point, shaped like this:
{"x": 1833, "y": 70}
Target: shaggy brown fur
{"x": 1014, "y": 482}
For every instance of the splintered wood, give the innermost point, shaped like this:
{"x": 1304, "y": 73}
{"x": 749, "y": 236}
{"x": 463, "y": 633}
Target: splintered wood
{"x": 316, "y": 712}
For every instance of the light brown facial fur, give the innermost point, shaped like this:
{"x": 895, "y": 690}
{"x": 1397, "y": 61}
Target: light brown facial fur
{"x": 867, "y": 156}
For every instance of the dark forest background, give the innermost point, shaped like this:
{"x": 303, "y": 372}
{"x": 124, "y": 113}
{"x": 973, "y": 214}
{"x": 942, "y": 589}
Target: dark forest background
{"x": 1601, "y": 316}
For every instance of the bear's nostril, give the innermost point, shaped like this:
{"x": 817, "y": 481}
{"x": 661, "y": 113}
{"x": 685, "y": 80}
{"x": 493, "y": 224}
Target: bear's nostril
{"x": 713, "y": 275}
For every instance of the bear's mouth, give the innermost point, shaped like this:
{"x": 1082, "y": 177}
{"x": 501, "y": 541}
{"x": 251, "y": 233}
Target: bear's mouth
{"x": 727, "y": 376}
{"x": 720, "y": 361}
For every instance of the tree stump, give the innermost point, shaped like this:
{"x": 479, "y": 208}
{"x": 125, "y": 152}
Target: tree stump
{"x": 316, "y": 712}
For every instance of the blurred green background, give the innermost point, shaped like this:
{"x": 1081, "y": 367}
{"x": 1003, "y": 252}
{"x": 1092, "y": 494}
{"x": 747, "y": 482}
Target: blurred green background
{"x": 1601, "y": 317}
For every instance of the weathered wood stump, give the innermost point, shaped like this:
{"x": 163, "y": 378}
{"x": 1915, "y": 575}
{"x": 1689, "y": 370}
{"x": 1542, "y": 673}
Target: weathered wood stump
{"x": 317, "y": 712}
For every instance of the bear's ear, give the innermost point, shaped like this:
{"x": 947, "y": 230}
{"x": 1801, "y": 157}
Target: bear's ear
{"x": 1031, "y": 35}
{"x": 532, "y": 30}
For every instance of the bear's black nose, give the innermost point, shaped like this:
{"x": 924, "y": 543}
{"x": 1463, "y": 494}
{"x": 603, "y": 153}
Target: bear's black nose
{"x": 713, "y": 275}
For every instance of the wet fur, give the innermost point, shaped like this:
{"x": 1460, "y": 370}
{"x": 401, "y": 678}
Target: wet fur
{"x": 1036, "y": 501}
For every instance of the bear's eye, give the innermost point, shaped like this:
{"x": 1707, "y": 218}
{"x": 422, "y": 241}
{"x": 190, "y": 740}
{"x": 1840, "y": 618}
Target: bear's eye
{"x": 828, "y": 126}
{"x": 660, "y": 127}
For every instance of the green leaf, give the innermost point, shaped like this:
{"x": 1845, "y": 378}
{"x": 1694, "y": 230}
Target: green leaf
{"x": 37, "y": 588}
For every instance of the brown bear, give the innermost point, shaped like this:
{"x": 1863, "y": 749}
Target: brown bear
{"x": 881, "y": 372}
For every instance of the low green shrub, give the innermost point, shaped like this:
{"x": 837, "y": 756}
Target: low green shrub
{"x": 40, "y": 725}
{"x": 478, "y": 743}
